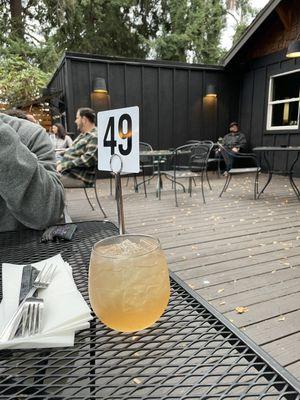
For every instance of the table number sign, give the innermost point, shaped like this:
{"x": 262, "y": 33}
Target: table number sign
{"x": 118, "y": 140}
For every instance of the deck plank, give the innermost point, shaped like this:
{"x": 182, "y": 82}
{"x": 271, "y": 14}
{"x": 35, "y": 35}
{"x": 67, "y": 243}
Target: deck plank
{"x": 233, "y": 251}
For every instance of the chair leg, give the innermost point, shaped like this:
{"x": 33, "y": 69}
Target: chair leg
{"x": 144, "y": 179}
{"x": 228, "y": 179}
{"x": 98, "y": 201}
{"x": 206, "y": 174}
{"x": 256, "y": 186}
{"x": 190, "y": 186}
{"x": 175, "y": 191}
{"x": 202, "y": 187}
{"x": 88, "y": 198}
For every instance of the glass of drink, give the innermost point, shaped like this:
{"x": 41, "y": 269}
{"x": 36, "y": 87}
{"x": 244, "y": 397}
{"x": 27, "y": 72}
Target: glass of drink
{"x": 129, "y": 286}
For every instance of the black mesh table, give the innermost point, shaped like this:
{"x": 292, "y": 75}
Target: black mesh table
{"x": 193, "y": 352}
{"x": 268, "y": 153}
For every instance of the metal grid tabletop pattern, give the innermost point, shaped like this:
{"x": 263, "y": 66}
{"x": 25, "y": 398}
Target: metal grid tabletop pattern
{"x": 189, "y": 354}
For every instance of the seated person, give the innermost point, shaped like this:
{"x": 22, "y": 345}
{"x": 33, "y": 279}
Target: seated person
{"x": 31, "y": 194}
{"x": 61, "y": 141}
{"x": 77, "y": 165}
{"x": 234, "y": 141}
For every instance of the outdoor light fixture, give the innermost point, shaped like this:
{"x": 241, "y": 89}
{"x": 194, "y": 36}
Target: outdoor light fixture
{"x": 100, "y": 100}
{"x": 99, "y": 85}
{"x": 211, "y": 90}
{"x": 294, "y": 48}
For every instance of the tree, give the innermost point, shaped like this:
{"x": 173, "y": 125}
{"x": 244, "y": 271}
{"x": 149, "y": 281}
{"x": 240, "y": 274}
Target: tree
{"x": 190, "y": 30}
{"x": 243, "y": 13}
{"x": 19, "y": 80}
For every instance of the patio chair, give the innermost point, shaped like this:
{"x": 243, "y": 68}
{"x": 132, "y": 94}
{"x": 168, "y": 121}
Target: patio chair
{"x": 81, "y": 185}
{"x": 146, "y": 163}
{"x": 213, "y": 159}
{"x": 189, "y": 162}
{"x": 231, "y": 158}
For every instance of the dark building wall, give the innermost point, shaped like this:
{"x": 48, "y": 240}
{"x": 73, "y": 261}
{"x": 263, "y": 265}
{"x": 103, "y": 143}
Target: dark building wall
{"x": 254, "y": 88}
{"x": 173, "y": 108}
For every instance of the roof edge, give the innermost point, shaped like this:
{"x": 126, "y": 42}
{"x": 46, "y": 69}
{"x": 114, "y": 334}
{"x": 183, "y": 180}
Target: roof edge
{"x": 259, "y": 19}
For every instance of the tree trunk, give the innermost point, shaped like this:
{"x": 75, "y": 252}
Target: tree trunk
{"x": 17, "y": 26}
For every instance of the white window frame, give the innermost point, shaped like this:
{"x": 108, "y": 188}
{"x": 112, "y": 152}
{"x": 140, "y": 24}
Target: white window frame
{"x": 271, "y": 103}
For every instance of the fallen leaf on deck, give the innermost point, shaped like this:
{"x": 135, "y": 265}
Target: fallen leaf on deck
{"x": 221, "y": 290}
{"x": 137, "y": 381}
{"x": 241, "y": 310}
{"x": 281, "y": 318}
{"x": 222, "y": 303}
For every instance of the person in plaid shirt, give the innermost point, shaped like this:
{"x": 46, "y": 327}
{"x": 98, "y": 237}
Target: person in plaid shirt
{"x": 77, "y": 166}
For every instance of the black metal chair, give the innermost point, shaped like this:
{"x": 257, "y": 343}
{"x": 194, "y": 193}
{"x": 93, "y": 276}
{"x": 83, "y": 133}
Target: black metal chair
{"x": 146, "y": 163}
{"x": 189, "y": 162}
{"x": 231, "y": 158}
{"x": 93, "y": 185}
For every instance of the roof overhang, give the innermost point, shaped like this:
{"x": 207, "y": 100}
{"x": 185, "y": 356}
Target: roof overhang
{"x": 260, "y": 18}
{"x": 43, "y": 99}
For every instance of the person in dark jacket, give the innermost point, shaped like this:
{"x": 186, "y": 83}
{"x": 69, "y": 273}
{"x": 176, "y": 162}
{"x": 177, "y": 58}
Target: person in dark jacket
{"x": 31, "y": 194}
{"x": 235, "y": 140}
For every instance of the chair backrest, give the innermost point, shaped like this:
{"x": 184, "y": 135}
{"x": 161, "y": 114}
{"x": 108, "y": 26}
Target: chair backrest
{"x": 228, "y": 155}
{"x": 146, "y": 160}
{"x": 192, "y": 156}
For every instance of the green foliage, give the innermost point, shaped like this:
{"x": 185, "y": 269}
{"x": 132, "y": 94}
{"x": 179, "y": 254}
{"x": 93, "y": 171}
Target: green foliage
{"x": 190, "y": 30}
{"x": 19, "y": 80}
{"x": 37, "y": 32}
{"x": 245, "y": 13}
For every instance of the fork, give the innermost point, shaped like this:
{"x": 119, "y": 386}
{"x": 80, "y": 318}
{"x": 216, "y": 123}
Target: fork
{"x": 31, "y": 316}
{"x": 42, "y": 281}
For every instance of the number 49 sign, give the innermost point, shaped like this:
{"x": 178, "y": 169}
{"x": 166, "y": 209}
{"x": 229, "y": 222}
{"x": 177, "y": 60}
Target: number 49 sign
{"x": 118, "y": 134}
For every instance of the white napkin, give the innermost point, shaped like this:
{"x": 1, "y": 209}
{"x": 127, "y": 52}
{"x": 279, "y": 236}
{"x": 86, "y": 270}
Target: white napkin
{"x": 65, "y": 310}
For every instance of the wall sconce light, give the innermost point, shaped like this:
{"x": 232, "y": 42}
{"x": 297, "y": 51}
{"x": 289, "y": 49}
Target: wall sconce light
{"x": 293, "y": 49}
{"x": 99, "y": 85}
{"x": 211, "y": 91}
{"x": 100, "y": 100}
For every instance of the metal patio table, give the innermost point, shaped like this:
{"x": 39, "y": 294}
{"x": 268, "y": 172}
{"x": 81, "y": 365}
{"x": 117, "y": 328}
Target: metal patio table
{"x": 268, "y": 151}
{"x": 159, "y": 158}
{"x": 193, "y": 352}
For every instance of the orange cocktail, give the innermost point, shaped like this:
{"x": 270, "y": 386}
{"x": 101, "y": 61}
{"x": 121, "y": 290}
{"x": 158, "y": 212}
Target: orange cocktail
{"x": 129, "y": 285}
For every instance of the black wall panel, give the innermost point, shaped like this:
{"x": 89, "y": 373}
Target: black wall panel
{"x": 196, "y": 116}
{"x": 180, "y": 114}
{"x": 165, "y": 107}
{"x": 150, "y": 106}
{"x": 254, "y": 106}
{"x": 173, "y": 108}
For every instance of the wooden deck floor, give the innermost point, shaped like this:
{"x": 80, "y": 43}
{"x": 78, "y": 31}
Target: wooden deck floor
{"x": 234, "y": 251}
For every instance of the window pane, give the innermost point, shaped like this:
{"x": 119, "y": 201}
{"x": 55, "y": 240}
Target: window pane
{"x": 285, "y": 114}
{"x": 286, "y": 86}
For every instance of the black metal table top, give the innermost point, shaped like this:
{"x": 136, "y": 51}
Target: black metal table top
{"x": 191, "y": 353}
{"x": 277, "y": 148}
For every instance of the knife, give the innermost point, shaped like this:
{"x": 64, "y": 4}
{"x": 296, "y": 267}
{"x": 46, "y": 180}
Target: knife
{"x": 29, "y": 274}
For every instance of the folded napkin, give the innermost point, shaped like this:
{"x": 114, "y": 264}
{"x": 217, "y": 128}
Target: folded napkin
{"x": 65, "y": 310}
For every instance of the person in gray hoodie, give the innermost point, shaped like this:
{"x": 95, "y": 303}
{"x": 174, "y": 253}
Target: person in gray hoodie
{"x": 31, "y": 194}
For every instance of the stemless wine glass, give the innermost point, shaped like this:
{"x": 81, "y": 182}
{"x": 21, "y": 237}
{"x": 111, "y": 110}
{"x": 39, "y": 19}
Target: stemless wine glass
{"x": 129, "y": 286}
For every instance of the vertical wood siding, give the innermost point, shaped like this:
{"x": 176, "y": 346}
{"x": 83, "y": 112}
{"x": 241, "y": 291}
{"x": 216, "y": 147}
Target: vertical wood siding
{"x": 173, "y": 108}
